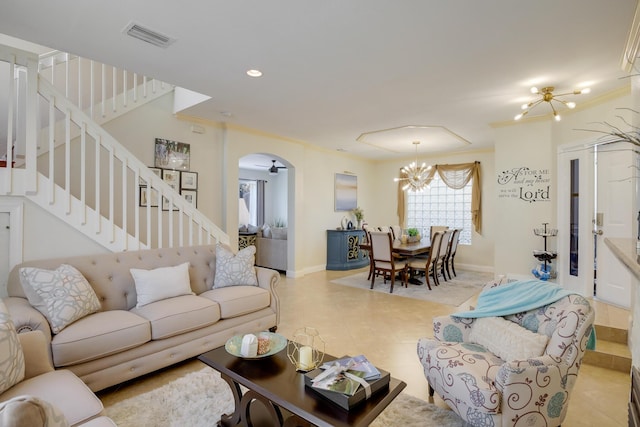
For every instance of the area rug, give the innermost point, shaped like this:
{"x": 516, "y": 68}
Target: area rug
{"x": 452, "y": 292}
{"x": 200, "y": 398}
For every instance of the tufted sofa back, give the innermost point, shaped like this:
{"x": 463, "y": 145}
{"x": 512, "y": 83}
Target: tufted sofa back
{"x": 111, "y": 279}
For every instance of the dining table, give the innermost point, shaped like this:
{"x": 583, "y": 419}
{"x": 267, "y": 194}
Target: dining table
{"x": 406, "y": 249}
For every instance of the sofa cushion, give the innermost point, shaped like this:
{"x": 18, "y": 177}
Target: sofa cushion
{"x": 235, "y": 270}
{"x": 64, "y": 390}
{"x": 62, "y": 295}
{"x": 179, "y": 315}
{"x": 161, "y": 283}
{"x": 99, "y": 335}
{"x": 506, "y": 339}
{"x": 238, "y": 300}
{"x": 11, "y": 357}
{"x": 30, "y": 411}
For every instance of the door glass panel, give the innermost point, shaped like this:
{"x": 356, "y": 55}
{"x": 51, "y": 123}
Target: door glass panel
{"x": 574, "y": 216}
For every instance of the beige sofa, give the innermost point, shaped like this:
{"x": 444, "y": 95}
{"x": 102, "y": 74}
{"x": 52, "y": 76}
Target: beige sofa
{"x": 122, "y": 341}
{"x": 271, "y": 249}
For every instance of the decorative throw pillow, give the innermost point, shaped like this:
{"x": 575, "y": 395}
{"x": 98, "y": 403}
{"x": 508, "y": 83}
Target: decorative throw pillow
{"x": 161, "y": 283}
{"x": 62, "y": 295}
{"x": 11, "y": 357}
{"x": 506, "y": 339}
{"x": 31, "y": 411}
{"x": 235, "y": 270}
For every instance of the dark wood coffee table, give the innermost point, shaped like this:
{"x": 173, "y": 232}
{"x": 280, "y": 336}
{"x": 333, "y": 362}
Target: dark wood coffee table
{"x": 277, "y": 395}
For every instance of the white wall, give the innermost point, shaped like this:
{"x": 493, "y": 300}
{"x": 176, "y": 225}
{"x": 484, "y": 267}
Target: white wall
{"x": 533, "y": 144}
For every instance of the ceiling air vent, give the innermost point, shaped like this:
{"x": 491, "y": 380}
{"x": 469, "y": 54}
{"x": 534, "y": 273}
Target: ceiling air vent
{"x": 145, "y": 34}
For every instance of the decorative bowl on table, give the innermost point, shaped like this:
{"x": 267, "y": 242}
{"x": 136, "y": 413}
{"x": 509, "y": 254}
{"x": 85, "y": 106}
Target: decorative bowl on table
{"x": 276, "y": 343}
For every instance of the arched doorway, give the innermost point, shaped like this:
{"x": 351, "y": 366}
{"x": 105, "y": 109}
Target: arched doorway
{"x": 263, "y": 189}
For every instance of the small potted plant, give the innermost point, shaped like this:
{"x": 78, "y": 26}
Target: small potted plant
{"x": 358, "y": 213}
{"x": 414, "y": 235}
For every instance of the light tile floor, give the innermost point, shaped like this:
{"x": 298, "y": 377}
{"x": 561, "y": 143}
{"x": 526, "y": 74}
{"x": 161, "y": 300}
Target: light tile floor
{"x": 386, "y": 328}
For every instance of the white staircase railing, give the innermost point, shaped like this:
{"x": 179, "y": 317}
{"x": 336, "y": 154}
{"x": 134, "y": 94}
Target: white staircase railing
{"x": 102, "y": 91}
{"x": 81, "y": 173}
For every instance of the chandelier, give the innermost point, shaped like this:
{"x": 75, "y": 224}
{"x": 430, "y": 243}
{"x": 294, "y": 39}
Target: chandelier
{"x": 547, "y": 95}
{"x": 416, "y": 175}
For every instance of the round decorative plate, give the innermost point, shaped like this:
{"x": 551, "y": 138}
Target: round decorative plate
{"x": 277, "y": 344}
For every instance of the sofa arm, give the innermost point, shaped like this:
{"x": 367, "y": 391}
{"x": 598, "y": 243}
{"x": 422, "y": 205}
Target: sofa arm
{"x": 452, "y": 329}
{"x": 268, "y": 279}
{"x": 536, "y": 388}
{"x": 26, "y": 318}
{"x": 37, "y": 358}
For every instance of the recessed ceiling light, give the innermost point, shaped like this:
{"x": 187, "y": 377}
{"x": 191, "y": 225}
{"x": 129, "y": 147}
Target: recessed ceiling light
{"x": 254, "y": 73}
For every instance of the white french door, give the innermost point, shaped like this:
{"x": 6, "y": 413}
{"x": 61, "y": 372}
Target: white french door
{"x": 596, "y": 199}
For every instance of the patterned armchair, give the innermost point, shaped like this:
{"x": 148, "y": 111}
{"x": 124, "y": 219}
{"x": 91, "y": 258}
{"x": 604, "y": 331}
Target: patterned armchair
{"x": 485, "y": 390}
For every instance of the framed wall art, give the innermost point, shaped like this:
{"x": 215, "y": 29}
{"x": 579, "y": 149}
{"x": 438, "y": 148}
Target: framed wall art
{"x": 157, "y": 171}
{"x": 172, "y": 155}
{"x": 172, "y": 178}
{"x": 346, "y": 192}
{"x": 148, "y": 196}
{"x": 189, "y": 180}
{"x": 191, "y": 196}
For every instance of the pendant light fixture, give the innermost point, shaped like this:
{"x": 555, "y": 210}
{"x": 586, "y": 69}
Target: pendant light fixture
{"x": 416, "y": 175}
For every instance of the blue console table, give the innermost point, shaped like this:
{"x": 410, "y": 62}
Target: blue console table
{"x": 343, "y": 250}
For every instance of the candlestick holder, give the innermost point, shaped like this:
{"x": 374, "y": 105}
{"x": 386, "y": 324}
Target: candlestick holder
{"x": 306, "y": 349}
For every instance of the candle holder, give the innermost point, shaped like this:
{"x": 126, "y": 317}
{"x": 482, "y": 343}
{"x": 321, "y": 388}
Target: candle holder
{"x": 306, "y": 349}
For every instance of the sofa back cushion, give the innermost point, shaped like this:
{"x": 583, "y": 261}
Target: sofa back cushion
{"x": 62, "y": 295}
{"x": 109, "y": 275}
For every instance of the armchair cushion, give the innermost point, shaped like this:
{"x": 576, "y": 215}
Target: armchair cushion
{"x": 506, "y": 339}
{"x": 11, "y": 356}
{"x": 30, "y": 411}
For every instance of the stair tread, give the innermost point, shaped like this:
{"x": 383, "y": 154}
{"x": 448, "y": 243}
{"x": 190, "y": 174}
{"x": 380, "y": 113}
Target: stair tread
{"x": 614, "y": 348}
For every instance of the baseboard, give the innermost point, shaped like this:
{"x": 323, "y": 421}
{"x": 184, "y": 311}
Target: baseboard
{"x": 476, "y": 268}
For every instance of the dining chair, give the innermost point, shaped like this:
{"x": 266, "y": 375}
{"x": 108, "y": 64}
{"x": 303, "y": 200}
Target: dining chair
{"x": 428, "y": 263}
{"x": 451, "y": 252}
{"x": 440, "y": 264}
{"x": 396, "y": 232}
{"x": 383, "y": 260}
{"x": 437, "y": 228}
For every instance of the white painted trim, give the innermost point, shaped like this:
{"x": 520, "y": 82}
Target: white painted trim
{"x": 15, "y": 208}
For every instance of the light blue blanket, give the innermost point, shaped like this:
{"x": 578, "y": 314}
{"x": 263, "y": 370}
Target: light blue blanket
{"x": 516, "y": 297}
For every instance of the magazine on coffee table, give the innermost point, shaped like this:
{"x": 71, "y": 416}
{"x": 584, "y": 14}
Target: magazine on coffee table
{"x": 356, "y": 363}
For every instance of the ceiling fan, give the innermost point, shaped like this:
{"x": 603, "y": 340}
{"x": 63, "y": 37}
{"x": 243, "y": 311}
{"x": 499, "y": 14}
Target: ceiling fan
{"x": 273, "y": 169}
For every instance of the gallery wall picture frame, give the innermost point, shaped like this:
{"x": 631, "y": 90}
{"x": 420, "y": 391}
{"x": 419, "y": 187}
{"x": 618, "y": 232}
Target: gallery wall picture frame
{"x": 191, "y": 196}
{"x": 157, "y": 171}
{"x": 346, "y": 192}
{"x": 172, "y": 177}
{"x": 189, "y": 180}
{"x": 150, "y": 197}
{"x": 165, "y": 205}
{"x": 172, "y": 154}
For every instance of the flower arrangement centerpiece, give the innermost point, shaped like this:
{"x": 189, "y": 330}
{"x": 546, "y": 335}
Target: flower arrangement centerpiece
{"x": 358, "y": 213}
{"x": 414, "y": 235}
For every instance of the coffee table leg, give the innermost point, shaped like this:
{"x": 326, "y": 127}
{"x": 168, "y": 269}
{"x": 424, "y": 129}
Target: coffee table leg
{"x": 250, "y": 397}
{"x": 242, "y": 414}
{"x": 233, "y": 419}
